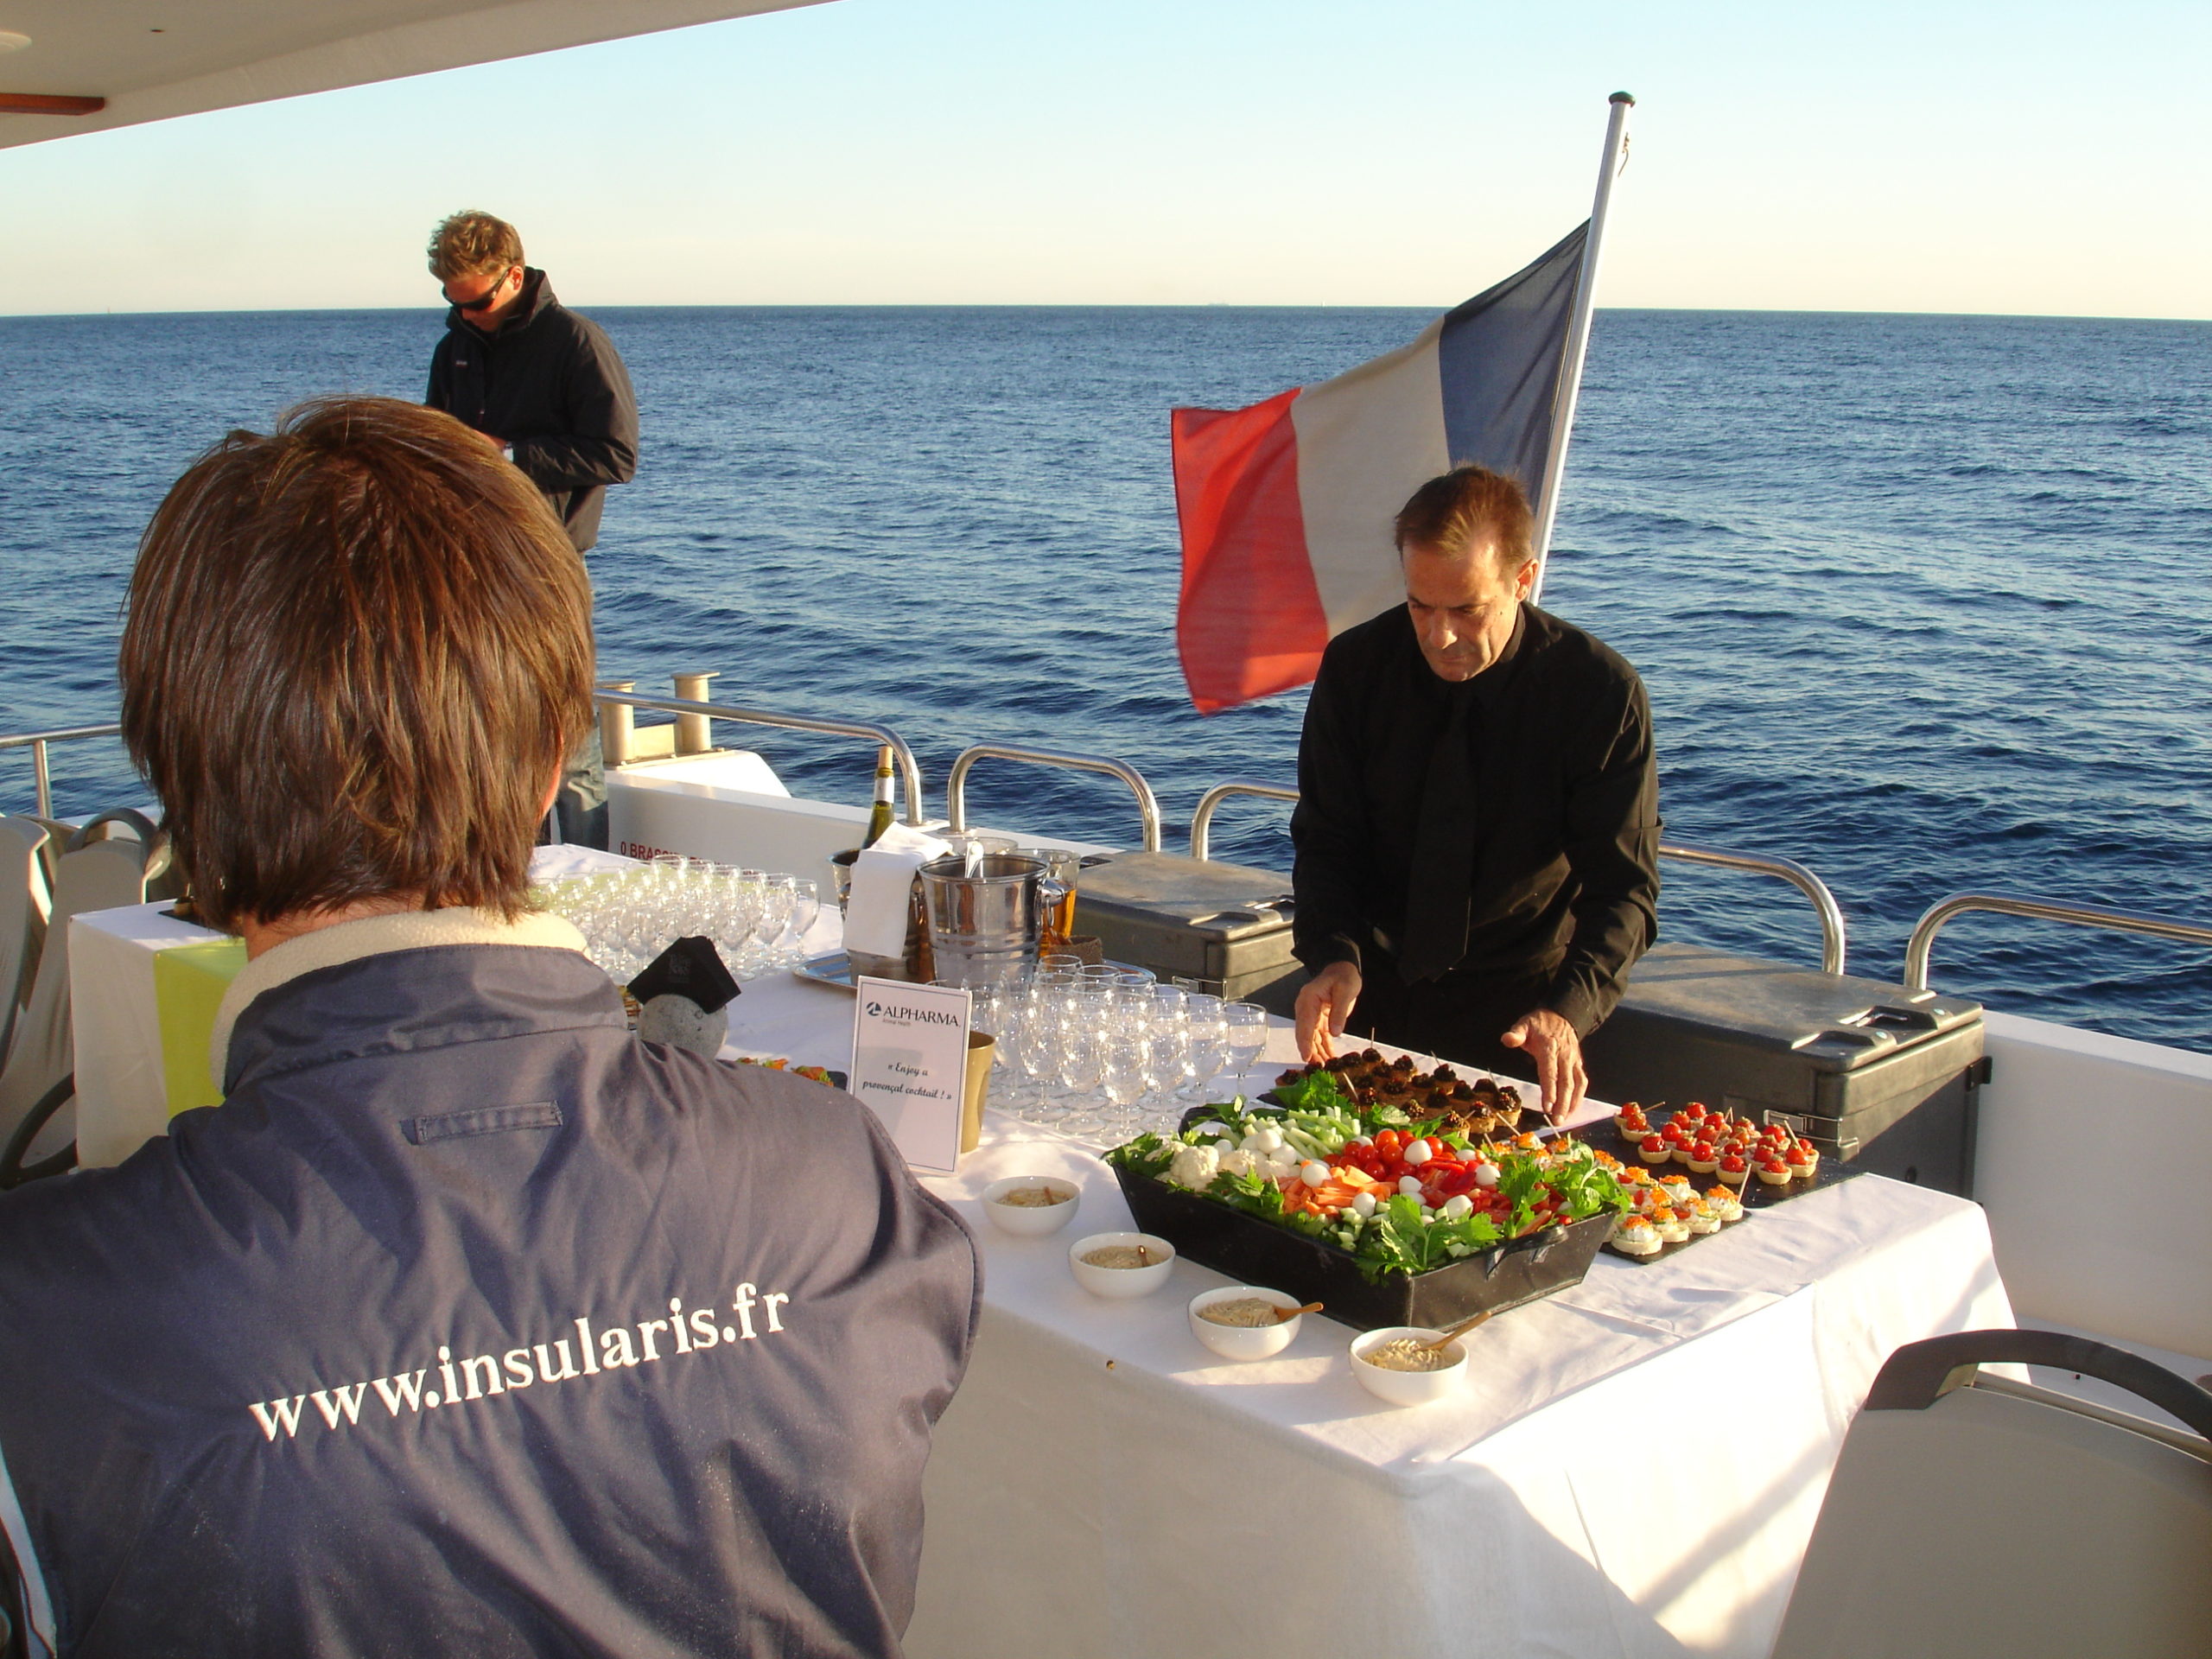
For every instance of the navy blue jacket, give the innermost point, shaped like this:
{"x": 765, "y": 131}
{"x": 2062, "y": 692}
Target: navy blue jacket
{"x": 469, "y": 1324}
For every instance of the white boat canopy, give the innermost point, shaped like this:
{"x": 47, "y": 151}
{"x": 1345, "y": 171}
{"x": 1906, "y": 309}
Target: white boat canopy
{"x": 66, "y": 66}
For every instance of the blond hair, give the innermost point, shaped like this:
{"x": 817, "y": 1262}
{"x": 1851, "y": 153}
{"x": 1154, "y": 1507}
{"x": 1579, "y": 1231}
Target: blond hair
{"x": 472, "y": 243}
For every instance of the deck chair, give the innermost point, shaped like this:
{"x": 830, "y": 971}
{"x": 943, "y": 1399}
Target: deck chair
{"x": 98, "y": 869}
{"x": 1969, "y": 1514}
{"x": 26, "y": 893}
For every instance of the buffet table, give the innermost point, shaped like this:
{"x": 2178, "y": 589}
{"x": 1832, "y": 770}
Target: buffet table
{"x": 1634, "y": 1469}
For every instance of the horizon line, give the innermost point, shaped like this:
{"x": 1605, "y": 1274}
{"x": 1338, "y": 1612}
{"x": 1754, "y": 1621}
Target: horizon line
{"x": 1100, "y": 305}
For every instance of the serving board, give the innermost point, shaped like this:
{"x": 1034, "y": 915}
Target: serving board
{"x": 1754, "y": 1194}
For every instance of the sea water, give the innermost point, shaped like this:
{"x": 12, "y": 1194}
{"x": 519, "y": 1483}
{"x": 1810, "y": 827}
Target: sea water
{"x": 1922, "y": 603}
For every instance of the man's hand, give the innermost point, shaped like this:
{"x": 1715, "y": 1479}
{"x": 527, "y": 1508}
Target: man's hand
{"x": 1323, "y": 1005}
{"x": 1551, "y": 1042}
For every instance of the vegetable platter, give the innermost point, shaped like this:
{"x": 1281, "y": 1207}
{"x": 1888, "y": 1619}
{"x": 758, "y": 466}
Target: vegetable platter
{"x": 1384, "y": 1219}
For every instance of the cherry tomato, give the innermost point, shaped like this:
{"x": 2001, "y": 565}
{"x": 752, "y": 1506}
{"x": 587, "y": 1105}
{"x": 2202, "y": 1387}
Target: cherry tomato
{"x": 1389, "y": 1141}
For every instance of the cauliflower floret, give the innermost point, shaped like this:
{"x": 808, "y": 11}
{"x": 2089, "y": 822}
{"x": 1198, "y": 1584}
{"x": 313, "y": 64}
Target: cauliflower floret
{"x": 1238, "y": 1163}
{"x": 1194, "y": 1167}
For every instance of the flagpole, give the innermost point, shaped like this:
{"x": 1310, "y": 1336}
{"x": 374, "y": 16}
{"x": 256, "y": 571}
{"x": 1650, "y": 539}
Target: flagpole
{"x": 1578, "y": 335}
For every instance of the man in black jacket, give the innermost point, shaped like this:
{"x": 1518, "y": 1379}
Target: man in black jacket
{"x": 545, "y": 384}
{"x": 1478, "y": 823}
{"x": 547, "y": 389}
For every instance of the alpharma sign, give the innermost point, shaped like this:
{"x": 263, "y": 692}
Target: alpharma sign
{"x": 752, "y": 1316}
{"x": 910, "y": 1060}
{"x": 900, "y": 1014}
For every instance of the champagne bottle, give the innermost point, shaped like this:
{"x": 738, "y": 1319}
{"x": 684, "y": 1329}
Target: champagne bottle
{"x": 879, "y": 817}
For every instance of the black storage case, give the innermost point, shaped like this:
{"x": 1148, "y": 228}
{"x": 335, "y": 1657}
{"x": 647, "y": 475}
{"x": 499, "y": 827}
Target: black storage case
{"x": 1865, "y": 1071}
{"x": 1226, "y": 925}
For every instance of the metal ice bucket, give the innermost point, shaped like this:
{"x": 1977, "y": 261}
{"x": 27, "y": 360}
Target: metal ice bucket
{"x": 983, "y": 927}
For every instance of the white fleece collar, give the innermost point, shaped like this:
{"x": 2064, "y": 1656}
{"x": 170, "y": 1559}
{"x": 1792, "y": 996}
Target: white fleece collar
{"x": 375, "y": 935}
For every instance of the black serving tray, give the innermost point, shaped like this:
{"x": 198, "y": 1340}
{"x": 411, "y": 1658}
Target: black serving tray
{"x": 1674, "y": 1249}
{"x": 1755, "y": 1193}
{"x": 1256, "y": 1252}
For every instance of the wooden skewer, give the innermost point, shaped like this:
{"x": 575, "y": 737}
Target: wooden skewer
{"x": 1457, "y": 1332}
{"x": 1282, "y": 1313}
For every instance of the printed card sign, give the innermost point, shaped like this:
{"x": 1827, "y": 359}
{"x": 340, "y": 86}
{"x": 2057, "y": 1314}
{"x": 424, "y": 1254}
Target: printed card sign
{"x": 910, "y": 1061}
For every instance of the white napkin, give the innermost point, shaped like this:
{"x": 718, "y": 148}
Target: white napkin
{"x": 560, "y": 861}
{"x": 883, "y": 884}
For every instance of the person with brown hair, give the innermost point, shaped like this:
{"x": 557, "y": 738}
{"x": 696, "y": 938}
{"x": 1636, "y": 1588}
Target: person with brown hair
{"x": 468, "y": 1322}
{"x": 1477, "y": 824}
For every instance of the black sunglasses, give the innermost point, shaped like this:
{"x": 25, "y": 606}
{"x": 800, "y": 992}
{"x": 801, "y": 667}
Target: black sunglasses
{"x": 483, "y": 299}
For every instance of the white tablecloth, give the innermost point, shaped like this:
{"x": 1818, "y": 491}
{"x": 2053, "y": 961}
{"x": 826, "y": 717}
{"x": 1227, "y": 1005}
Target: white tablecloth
{"x": 1634, "y": 1469}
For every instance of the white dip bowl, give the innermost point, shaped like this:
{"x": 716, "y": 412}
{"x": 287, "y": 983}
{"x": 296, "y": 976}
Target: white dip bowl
{"x": 1407, "y": 1387}
{"x": 1031, "y": 1220}
{"x": 1119, "y": 1283}
{"x": 1245, "y": 1341}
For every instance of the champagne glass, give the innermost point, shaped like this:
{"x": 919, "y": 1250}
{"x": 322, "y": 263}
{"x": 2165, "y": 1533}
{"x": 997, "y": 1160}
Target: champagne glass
{"x": 1076, "y": 1050}
{"x": 735, "y": 920}
{"x": 806, "y": 904}
{"x": 1026, "y": 1048}
{"x": 760, "y": 904}
{"x": 1209, "y": 1045}
{"x": 1167, "y": 1057}
{"x": 1248, "y": 1035}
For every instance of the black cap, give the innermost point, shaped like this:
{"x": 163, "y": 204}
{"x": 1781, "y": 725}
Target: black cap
{"x": 691, "y": 968}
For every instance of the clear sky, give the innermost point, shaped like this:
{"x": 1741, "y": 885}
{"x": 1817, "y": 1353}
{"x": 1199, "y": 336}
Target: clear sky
{"x": 1922, "y": 156}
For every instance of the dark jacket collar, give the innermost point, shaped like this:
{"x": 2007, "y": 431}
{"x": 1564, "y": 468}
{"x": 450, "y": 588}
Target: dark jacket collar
{"x": 537, "y": 299}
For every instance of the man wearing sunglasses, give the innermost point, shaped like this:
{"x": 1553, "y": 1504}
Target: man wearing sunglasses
{"x": 522, "y": 369}
{"x": 547, "y": 389}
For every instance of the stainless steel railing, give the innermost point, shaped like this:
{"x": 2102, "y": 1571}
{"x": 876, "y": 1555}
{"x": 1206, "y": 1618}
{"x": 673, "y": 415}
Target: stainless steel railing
{"x": 1202, "y": 820}
{"x": 688, "y": 711}
{"x": 955, "y": 786}
{"x": 1834, "y": 939}
{"x": 36, "y": 743}
{"x": 1923, "y": 942}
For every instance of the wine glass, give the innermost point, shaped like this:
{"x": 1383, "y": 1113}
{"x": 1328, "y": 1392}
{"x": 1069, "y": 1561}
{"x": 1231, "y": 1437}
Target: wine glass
{"x": 1247, "y": 1025}
{"x": 806, "y": 904}
{"x": 1209, "y": 1045}
{"x": 1167, "y": 1063}
{"x": 1076, "y": 1052}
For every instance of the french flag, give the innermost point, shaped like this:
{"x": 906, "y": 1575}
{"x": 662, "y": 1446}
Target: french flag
{"x": 1287, "y": 506}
